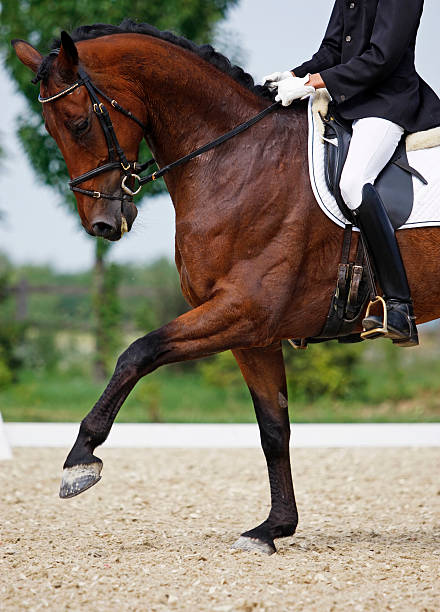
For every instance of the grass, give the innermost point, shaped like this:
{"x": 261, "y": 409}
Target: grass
{"x": 170, "y": 395}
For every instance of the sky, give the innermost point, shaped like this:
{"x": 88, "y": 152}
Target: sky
{"x": 270, "y": 36}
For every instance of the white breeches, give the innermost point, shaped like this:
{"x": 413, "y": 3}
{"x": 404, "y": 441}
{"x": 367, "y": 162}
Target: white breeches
{"x": 372, "y": 146}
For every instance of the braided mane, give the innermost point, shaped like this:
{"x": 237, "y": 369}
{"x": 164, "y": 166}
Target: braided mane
{"x": 128, "y": 26}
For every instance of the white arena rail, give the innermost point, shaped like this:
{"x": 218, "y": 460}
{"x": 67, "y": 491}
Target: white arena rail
{"x": 146, "y": 435}
{"x": 5, "y": 449}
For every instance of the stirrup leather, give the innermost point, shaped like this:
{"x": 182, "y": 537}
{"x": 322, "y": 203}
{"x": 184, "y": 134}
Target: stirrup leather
{"x": 383, "y": 331}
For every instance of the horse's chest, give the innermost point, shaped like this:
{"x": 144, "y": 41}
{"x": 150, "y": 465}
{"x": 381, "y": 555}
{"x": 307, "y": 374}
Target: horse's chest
{"x": 198, "y": 272}
{"x": 196, "y": 285}
{"x": 204, "y": 247}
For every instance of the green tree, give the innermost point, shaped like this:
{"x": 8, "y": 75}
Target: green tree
{"x": 11, "y": 332}
{"x": 39, "y": 22}
{"x": 107, "y": 309}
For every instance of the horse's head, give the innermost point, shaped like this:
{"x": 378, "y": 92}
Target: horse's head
{"x": 97, "y": 139}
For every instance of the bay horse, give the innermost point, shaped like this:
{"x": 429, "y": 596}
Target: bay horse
{"x": 257, "y": 258}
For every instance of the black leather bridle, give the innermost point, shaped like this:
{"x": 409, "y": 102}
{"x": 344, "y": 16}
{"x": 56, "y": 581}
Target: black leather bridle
{"x": 116, "y": 155}
{"x": 117, "y": 160}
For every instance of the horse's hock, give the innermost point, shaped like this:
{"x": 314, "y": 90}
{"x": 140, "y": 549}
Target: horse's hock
{"x": 156, "y": 534}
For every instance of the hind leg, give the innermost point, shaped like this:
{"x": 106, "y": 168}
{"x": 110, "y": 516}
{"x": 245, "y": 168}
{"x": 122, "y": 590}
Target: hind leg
{"x": 263, "y": 371}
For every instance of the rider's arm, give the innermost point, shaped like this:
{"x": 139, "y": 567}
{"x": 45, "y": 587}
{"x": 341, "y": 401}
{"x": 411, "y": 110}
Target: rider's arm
{"x": 395, "y": 26}
{"x": 316, "y": 81}
{"x": 329, "y": 53}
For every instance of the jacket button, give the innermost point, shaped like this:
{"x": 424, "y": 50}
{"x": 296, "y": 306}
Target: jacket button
{"x": 342, "y": 98}
{"x": 348, "y": 38}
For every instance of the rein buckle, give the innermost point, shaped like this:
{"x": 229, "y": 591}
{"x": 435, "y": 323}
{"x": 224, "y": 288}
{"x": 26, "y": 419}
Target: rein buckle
{"x": 98, "y": 107}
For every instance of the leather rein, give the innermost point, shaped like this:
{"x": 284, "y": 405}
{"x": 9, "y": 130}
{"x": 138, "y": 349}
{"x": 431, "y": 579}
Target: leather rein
{"x": 116, "y": 156}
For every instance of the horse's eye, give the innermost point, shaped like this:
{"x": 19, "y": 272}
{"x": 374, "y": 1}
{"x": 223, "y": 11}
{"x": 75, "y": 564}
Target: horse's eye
{"x": 80, "y": 127}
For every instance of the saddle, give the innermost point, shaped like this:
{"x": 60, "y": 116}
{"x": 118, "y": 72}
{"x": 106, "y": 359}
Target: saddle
{"x": 355, "y": 280}
{"x": 394, "y": 184}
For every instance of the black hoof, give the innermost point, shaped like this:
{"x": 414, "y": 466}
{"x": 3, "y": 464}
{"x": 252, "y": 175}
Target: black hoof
{"x": 79, "y": 478}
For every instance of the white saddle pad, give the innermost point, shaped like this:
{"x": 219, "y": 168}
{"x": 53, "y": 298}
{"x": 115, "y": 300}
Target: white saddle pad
{"x": 426, "y": 210}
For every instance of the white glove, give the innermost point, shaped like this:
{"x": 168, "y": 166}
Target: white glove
{"x": 292, "y": 89}
{"x": 271, "y": 80}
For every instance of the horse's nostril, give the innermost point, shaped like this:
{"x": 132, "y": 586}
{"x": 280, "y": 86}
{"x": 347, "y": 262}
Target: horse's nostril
{"x": 104, "y": 230}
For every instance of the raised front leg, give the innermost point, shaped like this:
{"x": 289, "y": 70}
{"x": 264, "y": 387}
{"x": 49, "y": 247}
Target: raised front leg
{"x": 263, "y": 370}
{"x": 215, "y": 326}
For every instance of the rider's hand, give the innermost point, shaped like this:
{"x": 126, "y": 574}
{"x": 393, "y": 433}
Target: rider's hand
{"x": 271, "y": 80}
{"x": 293, "y": 88}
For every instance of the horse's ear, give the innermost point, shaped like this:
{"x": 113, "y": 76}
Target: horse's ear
{"x": 27, "y": 54}
{"x": 67, "y": 61}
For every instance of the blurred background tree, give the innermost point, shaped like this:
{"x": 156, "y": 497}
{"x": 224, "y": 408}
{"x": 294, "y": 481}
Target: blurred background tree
{"x": 47, "y": 353}
{"x": 40, "y": 22}
{"x": 11, "y": 332}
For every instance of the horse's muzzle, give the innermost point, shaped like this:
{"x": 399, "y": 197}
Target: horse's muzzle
{"x": 113, "y": 226}
{"x": 103, "y": 229}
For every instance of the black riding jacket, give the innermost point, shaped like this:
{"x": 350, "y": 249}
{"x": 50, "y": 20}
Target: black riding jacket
{"x": 366, "y": 61}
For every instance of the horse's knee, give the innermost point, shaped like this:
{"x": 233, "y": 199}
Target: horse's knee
{"x": 141, "y": 355}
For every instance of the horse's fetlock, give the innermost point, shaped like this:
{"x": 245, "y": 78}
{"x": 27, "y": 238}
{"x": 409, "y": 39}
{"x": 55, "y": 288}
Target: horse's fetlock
{"x": 285, "y": 530}
{"x": 89, "y": 438}
{"x": 82, "y": 450}
{"x": 282, "y": 521}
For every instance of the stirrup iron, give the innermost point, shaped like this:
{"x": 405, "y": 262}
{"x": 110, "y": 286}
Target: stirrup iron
{"x": 382, "y": 331}
{"x": 299, "y": 344}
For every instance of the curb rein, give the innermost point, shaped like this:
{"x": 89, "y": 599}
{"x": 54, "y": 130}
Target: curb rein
{"x": 116, "y": 155}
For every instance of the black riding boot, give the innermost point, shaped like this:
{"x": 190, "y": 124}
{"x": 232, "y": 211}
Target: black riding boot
{"x": 378, "y": 234}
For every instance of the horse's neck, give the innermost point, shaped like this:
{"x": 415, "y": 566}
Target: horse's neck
{"x": 188, "y": 101}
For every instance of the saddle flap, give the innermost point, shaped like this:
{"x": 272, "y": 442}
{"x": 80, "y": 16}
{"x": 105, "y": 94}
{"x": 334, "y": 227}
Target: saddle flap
{"x": 394, "y": 184}
{"x": 395, "y": 187}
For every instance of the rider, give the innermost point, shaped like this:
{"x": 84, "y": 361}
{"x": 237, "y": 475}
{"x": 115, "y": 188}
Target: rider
{"x": 366, "y": 62}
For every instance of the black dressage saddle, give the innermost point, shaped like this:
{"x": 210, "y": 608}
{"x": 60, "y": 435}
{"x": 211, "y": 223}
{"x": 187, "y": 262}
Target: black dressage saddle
{"x": 355, "y": 280}
{"x": 394, "y": 184}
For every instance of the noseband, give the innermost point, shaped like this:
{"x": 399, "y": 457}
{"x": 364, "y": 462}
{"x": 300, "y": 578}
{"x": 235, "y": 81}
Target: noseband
{"x": 117, "y": 159}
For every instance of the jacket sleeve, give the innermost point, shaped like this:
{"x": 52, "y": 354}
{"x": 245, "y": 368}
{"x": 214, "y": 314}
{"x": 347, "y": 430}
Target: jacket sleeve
{"x": 395, "y": 25}
{"x": 329, "y": 53}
